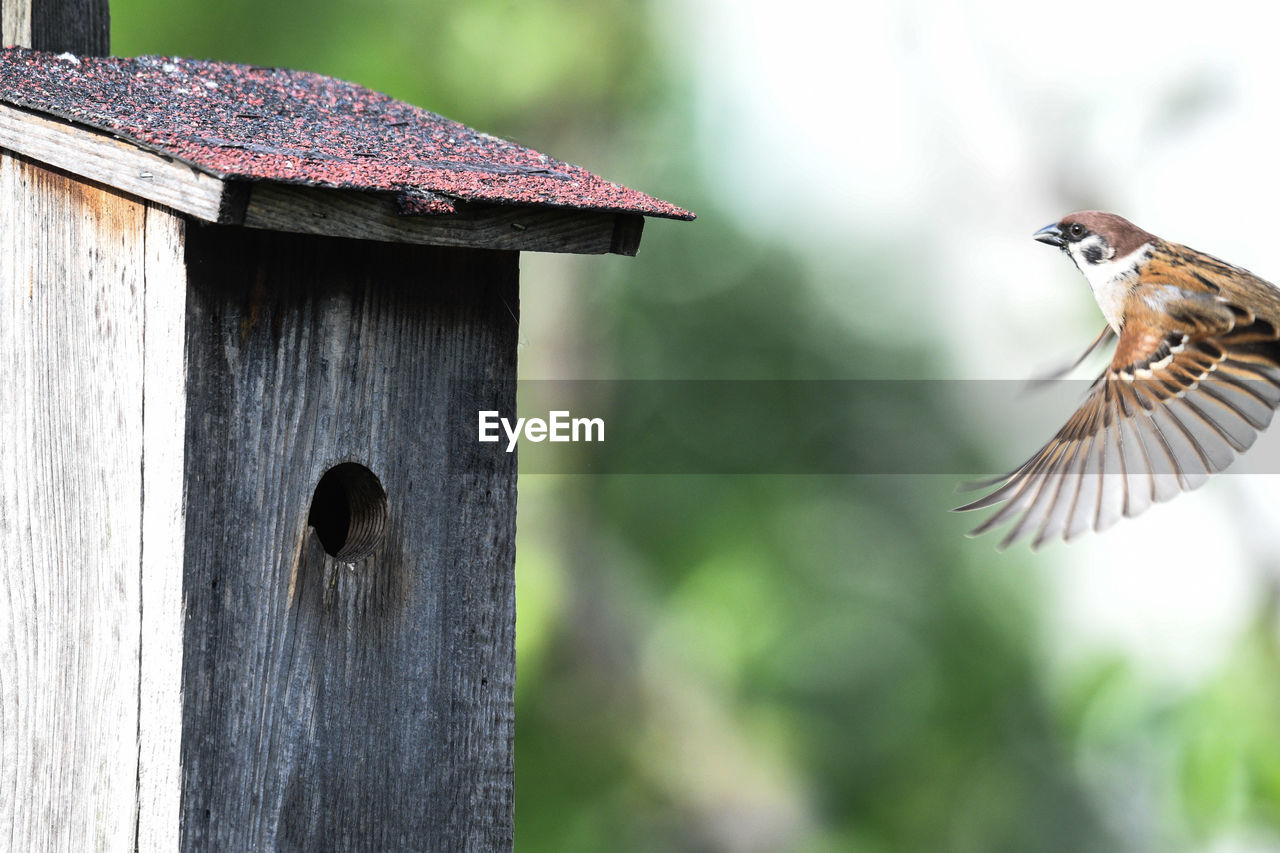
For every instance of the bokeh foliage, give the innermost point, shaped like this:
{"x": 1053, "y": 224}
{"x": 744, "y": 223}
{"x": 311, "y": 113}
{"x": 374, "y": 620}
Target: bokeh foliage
{"x": 758, "y": 663}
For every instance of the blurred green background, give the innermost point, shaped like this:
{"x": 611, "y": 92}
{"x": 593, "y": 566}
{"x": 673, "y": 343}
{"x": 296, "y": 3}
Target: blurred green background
{"x": 824, "y": 663}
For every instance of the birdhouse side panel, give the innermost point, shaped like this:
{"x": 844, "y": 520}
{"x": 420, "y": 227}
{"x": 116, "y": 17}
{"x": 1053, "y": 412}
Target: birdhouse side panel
{"x": 73, "y": 323}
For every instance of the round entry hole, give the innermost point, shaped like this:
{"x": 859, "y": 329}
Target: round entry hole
{"x": 349, "y": 512}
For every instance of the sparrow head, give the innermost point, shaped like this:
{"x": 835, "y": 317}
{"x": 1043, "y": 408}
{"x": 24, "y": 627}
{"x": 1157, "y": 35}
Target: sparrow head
{"x": 1092, "y": 237}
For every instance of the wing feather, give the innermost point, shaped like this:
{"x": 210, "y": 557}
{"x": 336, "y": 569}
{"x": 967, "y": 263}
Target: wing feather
{"x": 1165, "y": 415}
{"x": 1139, "y": 487}
{"x": 1114, "y": 490}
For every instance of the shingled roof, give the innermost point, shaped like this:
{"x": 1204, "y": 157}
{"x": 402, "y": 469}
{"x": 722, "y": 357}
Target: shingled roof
{"x": 296, "y": 127}
{"x": 270, "y": 124}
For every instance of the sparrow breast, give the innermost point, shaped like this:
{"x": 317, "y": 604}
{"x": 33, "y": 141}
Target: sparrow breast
{"x": 1112, "y": 280}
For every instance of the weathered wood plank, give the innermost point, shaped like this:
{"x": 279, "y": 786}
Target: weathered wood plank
{"x": 15, "y": 23}
{"x": 327, "y": 706}
{"x": 626, "y": 234}
{"x": 71, "y": 332}
{"x": 114, "y": 162}
{"x": 82, "y": 27}
{"x": 369, "y": 216}
{"x": 164, "y": 411}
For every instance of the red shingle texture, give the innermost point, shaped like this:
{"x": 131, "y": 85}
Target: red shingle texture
{"x": 267, "y": 124}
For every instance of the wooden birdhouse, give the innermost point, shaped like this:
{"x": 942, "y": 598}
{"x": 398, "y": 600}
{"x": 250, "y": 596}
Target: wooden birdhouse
{"x": 260, "y": 591}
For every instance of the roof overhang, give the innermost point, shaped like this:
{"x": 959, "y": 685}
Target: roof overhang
{"x": 293, "y": 151}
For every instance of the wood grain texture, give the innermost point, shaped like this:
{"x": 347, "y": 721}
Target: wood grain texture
{"x": 370, "y": 216}
{"x": 328, "y": 706}
{"x": 82, "y": 27}
{"x": 114, "y": 162}
{"x": 15, "y": 23}
{"x": 164, "y": 410}
{"x": 627, "y": 229}
{"x": 71, "y": 314}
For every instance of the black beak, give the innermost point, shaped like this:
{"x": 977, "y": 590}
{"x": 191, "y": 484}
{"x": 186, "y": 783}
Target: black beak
{"x": 1051, "y": 235}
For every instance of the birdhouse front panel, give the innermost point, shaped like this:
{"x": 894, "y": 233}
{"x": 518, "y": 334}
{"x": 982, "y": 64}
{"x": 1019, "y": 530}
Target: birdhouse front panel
{"x": 349, "y": 586}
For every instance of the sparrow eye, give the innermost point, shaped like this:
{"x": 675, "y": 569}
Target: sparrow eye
{"x": 1076, "y": 231}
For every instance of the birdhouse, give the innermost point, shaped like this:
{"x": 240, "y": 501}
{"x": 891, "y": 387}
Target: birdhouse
{"x": 260, "y": 588}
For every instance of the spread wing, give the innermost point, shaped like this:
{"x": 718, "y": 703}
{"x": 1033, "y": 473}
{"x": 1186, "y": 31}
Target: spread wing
{"x": 1166, "y": 413}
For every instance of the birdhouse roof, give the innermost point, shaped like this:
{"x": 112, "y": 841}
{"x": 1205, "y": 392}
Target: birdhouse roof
{"x": 243, "y": 124}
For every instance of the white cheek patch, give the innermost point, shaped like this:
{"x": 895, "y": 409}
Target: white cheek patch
{"x": 1110, "y": 279}
{"x": 1090, "y": 251}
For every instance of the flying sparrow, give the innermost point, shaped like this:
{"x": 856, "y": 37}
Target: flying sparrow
{"x": 1194, "y": 378}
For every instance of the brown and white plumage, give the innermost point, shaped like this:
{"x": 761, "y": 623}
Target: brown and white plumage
{"x": 1194, "y": 378}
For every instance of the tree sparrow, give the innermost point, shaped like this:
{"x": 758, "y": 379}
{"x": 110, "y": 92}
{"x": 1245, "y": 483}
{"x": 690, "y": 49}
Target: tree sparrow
{"x": 1194, "y": 378}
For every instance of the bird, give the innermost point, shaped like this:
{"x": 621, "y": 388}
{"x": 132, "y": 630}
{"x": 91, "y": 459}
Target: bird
{"x": 1194, "y": 378}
